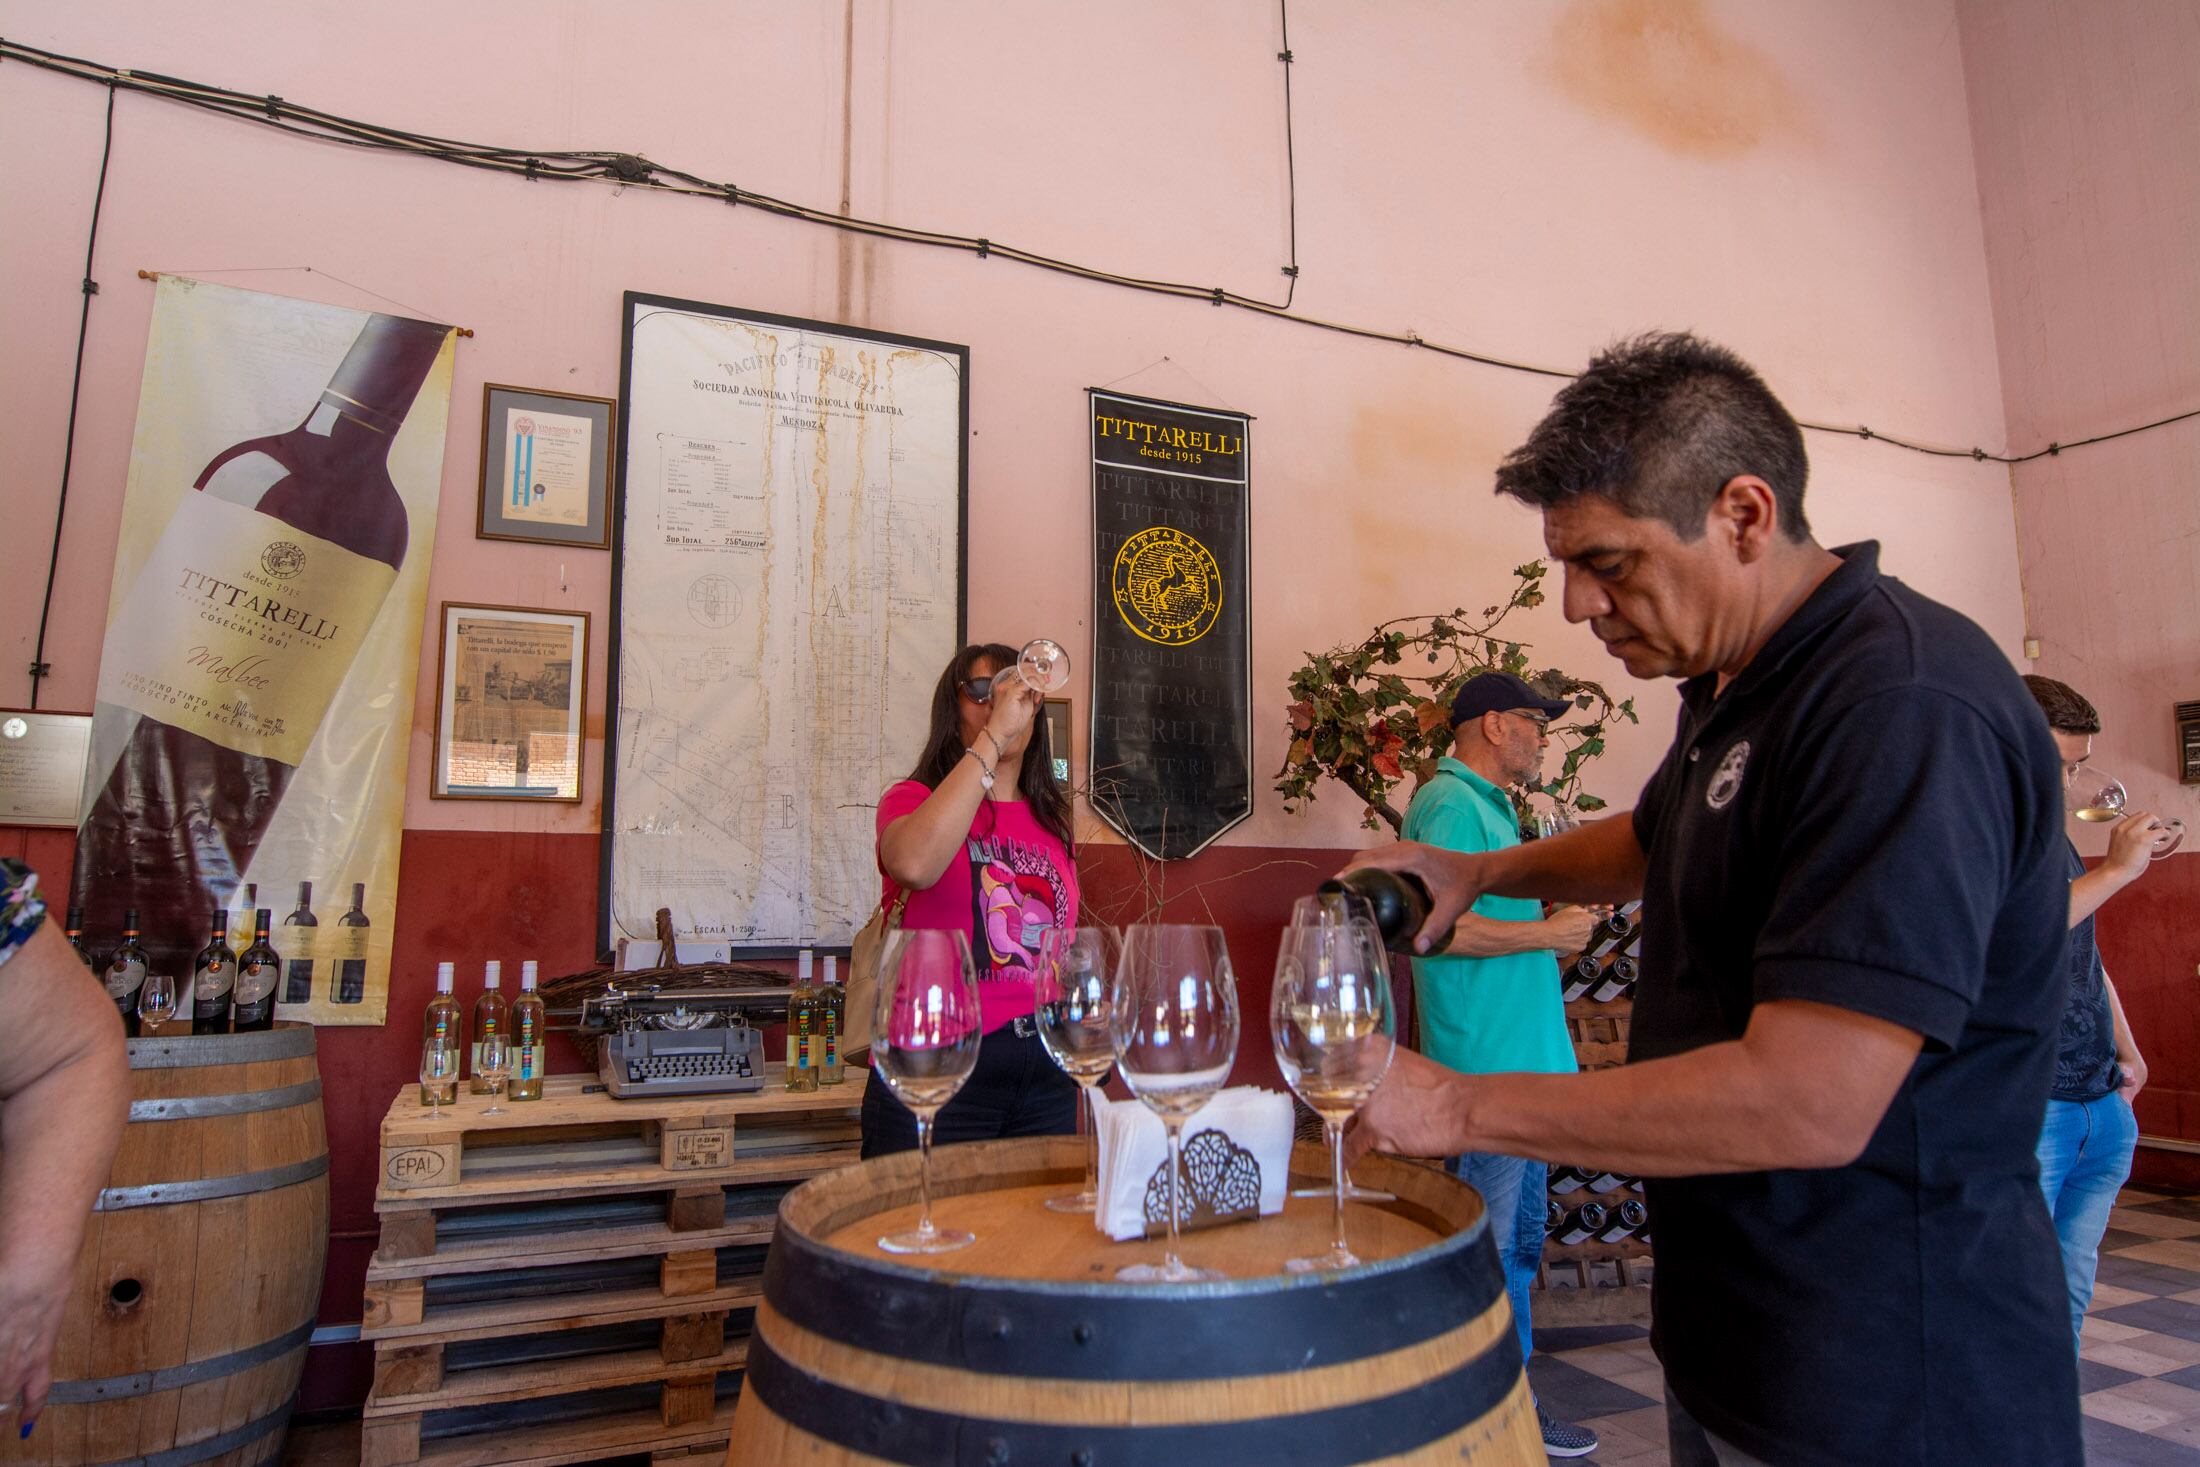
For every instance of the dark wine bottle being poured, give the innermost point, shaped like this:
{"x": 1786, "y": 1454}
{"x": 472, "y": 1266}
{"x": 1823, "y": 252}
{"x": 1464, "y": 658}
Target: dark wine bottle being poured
{"x": 233, "y": 638}
{"x": 1401, "y": 903}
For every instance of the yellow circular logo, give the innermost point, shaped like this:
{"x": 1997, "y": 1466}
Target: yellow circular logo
{"x": 1168, "y": 588}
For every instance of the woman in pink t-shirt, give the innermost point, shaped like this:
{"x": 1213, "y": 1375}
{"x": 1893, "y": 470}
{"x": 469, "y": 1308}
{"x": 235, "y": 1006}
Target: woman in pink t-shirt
{"x": 979, "y": 837}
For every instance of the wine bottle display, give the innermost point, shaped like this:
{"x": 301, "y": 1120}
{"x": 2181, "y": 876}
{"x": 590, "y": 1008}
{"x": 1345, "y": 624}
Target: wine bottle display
{"x": 213, "y": 974}
{"x": 125, "y": 973}
{"x": 1618, "y": 978}
{"x": 348, "y": 955}
{"x": 1580, "y": 978}
{"x": 1625, "y": 1220}
{"x": 232, "y": 640}
{"x": 73, "y": 929}
{"x": 298, "y": 971}
{"x": 1400, "y": 900}
{"x": 259, "y": 968}
{"x": 530, "y": 1023}
{"x": 492, "y": 1015}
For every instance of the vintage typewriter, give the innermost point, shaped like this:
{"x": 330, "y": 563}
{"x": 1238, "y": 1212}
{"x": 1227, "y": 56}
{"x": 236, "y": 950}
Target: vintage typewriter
{"x": 659, "y": 1041}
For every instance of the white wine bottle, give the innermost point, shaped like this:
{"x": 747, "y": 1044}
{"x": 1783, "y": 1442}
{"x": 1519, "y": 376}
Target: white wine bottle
{"x": 492, "y": 1015}
{"x": 832, "y": 1023}
{"x": 802, "y": 1025}
{"x": 529, "y": 1023}
{"x": 442, "y": 1028}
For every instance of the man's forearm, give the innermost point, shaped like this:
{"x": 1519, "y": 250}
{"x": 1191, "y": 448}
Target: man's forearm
{"x": 1489, "y": 937}
{"x": 1598, "y": 864}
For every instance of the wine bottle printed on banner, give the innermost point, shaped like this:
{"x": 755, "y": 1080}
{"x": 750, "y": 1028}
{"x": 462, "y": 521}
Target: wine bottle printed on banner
{"x": 348, "y": 954}
{"x": 492, "y": 1015}
{"x": 234, "y": 637}
{"x": 530, "y": 1024}
{"x": 259, "y": 968}
{"x": 125, "y": 974}
{"x": 213, "y": 975}
{"x": 298, "y": 970}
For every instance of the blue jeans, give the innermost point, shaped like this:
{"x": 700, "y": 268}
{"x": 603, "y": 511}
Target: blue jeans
{"x": 1513, "y": 1191}
{"x": 2085, "y": 1154}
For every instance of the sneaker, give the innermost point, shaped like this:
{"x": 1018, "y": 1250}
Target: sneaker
{"x": 1563, "y": 1440}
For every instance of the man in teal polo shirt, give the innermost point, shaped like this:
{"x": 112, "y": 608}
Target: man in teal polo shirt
{"x": 1491, "y": 1005}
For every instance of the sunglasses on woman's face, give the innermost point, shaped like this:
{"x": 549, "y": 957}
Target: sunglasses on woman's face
{"x": 978, "y": 689}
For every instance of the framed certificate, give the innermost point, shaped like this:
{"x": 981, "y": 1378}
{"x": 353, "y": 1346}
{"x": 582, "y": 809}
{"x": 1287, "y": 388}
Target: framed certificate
{"x": 509, "y": 689}
{"x": 42, "y": 757}
{"x": 546, "y": 467}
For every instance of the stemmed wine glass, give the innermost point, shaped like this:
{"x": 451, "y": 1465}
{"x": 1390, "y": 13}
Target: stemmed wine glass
{"x": 1174, "y": 1020}
{"x": 1330, "y": 1016}
{"x": 438, "y": 1067}
{"x": 925, "y": 1044}
{"x": 1312, "y": 911}
{"x": 1042, "y": 666}
{"x": 2097, "y": 797}
{"x": 1070, "y": 984}
{"x": 494, "y": 1065}
{"x": 156, "y": 1000}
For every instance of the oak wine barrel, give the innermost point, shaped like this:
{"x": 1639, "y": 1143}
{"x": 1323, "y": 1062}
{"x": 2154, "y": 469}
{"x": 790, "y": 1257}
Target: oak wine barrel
{"x": 201, "y": 1273}
{"x": 1022, "y": 1349}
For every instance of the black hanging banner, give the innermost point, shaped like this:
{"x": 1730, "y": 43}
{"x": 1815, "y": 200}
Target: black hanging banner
{"x": 1172, "y": 717}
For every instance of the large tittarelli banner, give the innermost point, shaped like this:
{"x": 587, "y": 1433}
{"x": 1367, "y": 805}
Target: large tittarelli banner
{"x": 256, "y": 682}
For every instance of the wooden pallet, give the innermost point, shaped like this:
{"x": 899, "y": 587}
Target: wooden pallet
{"x": 576, "y": 1141}
{"x": 571, "y": 1286}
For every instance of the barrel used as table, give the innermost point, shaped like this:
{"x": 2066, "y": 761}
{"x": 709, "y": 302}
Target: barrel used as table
{"x": 201, "y": 1274}
{"x": 1021, "y": 1349}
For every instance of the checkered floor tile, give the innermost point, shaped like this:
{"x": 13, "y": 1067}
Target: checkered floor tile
{"x": 2138, "y": 1359}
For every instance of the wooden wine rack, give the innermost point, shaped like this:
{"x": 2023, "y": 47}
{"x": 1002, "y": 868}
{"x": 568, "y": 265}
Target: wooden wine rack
{"x": 574, "y": 1279}
{"x": 1593, "y": 1282}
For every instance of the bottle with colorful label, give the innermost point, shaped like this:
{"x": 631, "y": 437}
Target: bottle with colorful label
{"x": 832, "y": 1015}
{"x": 529, "y": 1025}
{"x": 492, "y": 1015}
{"x": 442, "y": 1037}
{"x": 802, "y": 1026}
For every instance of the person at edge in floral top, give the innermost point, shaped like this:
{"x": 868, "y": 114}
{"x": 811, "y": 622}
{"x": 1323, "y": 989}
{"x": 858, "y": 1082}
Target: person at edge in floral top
{"x": 64, "y": 1096}
{"x": 978, "y": 837}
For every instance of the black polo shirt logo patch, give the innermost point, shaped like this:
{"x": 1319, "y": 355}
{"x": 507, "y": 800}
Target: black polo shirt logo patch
{"x": 1727, "y": 782}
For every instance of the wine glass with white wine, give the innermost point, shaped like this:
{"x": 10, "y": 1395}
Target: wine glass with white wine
{"x": 1330, "y": 1017}
{"x": 926, "y": 1033}
{"x": 1312, "y": 911}
{"x": 2097, "y": 797}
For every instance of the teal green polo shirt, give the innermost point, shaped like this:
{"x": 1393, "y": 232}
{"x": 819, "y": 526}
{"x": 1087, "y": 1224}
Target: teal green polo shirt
{"x": 1485, "y": 1016}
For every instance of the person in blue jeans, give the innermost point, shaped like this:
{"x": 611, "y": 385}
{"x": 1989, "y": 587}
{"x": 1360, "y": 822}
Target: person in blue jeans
{"x": 2089, "y": 1134}
{"x": 1491, "y": 1005}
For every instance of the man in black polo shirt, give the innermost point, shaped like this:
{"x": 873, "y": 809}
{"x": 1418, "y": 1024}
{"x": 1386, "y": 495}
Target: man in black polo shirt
{"x": 1852, "y": 967}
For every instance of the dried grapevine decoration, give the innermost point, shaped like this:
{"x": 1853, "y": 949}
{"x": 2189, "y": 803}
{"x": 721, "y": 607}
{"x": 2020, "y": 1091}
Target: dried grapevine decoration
{"x": 1371, "y": 713}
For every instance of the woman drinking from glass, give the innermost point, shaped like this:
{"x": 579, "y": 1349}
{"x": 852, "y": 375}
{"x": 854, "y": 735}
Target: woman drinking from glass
{"x": 978, "y": 840}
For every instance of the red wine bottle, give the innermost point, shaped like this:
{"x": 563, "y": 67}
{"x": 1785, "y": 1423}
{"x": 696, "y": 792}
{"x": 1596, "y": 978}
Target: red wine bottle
{"x": 233, "y": 638}
{"x": 1627, "y": 1218}
{"x": 125, "y": 973}
{"x": 1580, "y": 978}
{"x": 258, "y": 968}
{"x": 213, "y": 976}
{"x": 1582, "y": 1224}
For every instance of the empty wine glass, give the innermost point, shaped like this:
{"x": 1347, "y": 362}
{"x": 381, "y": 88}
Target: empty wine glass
{"x": 1311, "y": 911}
{"x": 2097, "y": 797}
{"x": 924, "y": 1044}
{"x": 1175, "y": 1024}
{"x": 1070, "y": 986}
{"x": 439, "y": 1058}
{"x": 1330, "y": 1017}
{"x": 1042, "y": 666}
{"x": 157, "y": 999}
{"x": 495, "y": 1066}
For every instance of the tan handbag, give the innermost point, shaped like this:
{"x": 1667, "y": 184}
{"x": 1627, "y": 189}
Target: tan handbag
{"x": 864, "y": 957}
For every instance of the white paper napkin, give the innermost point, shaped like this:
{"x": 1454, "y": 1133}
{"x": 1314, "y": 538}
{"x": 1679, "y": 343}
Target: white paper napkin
{"x": 1237, "y": 1158}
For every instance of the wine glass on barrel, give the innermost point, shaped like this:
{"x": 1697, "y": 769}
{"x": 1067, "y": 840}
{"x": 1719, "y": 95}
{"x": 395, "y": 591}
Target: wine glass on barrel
{"x": 1070, "y": 987}
{"x": 1330, "y": 1017}
{"x": 1174, "y": 1019}
{"x": 2097, "y": 798}
{"x": 1334, "y": 901}
{"x": 924, "y": 1045}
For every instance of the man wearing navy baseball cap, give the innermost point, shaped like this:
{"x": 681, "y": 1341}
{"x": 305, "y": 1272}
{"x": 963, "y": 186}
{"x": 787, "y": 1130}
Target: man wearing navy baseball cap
{"x": 1490, "y": 1005}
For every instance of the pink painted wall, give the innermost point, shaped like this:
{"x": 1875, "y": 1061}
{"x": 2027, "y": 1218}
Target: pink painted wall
{"x": 1532, "y": 181}
{"x": 2086, "y": 117}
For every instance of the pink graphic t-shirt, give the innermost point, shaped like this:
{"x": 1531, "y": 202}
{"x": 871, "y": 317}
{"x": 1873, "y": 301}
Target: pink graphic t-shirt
{"x": 1010, "y": 883}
